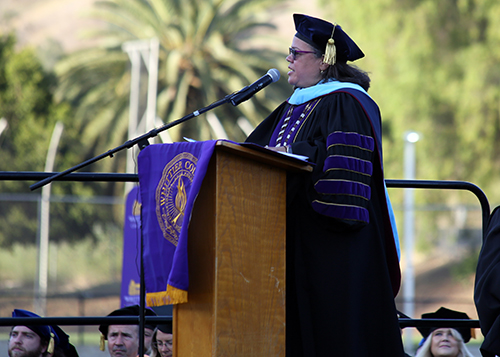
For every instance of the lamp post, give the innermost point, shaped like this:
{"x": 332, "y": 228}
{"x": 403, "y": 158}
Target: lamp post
{"x": 3, "y": 125}
{"x": 40, "y": 301}
{"x": 141, "y": 52}
{"x": 410, "y": 138}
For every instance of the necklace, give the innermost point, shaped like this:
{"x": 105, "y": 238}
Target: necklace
{"x": 290, "y": 134}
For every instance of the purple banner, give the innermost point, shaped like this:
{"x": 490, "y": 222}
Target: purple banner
{"x": 130, "y": 288}
{"x": 170, "y": 177}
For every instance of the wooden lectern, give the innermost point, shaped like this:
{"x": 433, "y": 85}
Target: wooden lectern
{"x": 236, "y": 253}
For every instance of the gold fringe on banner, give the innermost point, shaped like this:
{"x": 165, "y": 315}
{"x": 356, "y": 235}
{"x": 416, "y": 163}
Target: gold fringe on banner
{"x": 169, "y": 297}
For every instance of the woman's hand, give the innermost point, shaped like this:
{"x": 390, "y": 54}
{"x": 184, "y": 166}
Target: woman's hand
{"x": 277, "y": 148}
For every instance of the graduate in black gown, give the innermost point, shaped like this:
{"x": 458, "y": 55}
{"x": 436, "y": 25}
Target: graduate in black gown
{"x": 445, "y": 341}
{"x": 342, "y": 256}
{"x": 487, "y": 286}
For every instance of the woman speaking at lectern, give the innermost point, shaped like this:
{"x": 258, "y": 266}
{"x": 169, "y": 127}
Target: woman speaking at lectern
{"x": 342, "y": 257}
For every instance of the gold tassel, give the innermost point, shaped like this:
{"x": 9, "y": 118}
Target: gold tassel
{"x": 473, "y": 332}
{"x": 101, "y": 343}
{"x": 50, "y": 348}
{"x": 330, "y": 51}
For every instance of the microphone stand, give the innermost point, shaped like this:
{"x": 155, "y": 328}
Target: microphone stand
{"x": 142, "y": 141}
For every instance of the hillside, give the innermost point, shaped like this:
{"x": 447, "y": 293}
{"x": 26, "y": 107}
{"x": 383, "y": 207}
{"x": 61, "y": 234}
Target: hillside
{"x": 38, "y": 21}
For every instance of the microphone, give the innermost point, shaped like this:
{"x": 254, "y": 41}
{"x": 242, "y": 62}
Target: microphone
{"x": 246, "y": 93}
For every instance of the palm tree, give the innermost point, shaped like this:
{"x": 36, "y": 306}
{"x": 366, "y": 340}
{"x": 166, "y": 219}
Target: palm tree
{"x": 208, "y": 49}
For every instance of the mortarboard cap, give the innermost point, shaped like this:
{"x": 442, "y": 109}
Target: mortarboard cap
{"x": 149, "y": 312}
{"x": 40, "y": 330}
{"x": 132, "y": 310}
{"x": 317, "y": 33}
{"x": 444, "y": 313}
{"x": 63, "y": 342}
{"x": 166, "y": 327}
{"x": 45, "y": 332}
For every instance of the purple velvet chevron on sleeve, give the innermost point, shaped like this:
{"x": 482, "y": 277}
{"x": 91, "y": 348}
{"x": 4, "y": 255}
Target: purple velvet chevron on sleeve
{"x": 350, "y": 139}
{"x": 344, "y": 188}
{"x": 343, "y": 212}
{"x": 349, "y": 164}
{"x": 341, "y": 187}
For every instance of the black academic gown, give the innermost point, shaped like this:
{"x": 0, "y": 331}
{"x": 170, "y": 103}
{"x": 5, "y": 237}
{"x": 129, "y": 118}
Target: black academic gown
{"x": 487, "y": 287}
{"x": 340, "y": 297}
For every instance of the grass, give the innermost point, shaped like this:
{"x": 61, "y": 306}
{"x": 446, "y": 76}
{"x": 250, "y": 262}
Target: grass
{"x": 70, "y": 266}
{"x": 83, "y": 278}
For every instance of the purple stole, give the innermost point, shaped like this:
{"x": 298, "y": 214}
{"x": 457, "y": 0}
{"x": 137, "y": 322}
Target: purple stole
{"x": 170, "y": 177}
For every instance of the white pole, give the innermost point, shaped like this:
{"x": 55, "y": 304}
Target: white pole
{"x": 409, "y": 232}
{"x": 43, "y": 234}
{"x": 152, "y": 83}
{"x": 139, "y": 51}
{"x": 3, "y": 125}
{"x": 133, "y": 116}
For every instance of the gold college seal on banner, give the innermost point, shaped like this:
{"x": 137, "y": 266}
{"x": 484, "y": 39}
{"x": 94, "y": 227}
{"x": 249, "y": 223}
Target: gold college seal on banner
{"x": 171, "y": 194}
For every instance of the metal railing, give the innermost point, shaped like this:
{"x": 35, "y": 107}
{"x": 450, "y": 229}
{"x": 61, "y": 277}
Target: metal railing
{"x": 141, "y": 320}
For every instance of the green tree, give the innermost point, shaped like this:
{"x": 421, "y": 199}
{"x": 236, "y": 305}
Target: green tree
{"x": 434, "y": 66}
{"x": 435, "y": 70}
{"x": 208, "y": 49}
{"x": 26, "y": 103}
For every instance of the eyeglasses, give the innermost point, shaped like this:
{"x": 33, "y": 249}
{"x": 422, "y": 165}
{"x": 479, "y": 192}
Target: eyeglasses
{"x": 160, "y": 344}
{"x": 293, "y": 52}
